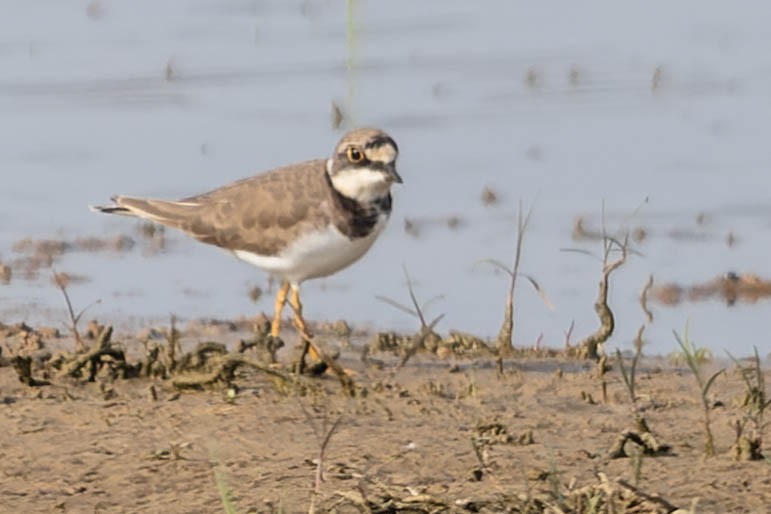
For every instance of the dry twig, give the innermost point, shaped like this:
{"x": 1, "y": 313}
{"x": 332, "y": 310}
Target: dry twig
{"x": 60, "y": 279}
{"x": 426, "y": 328}
{"x": 589, "y": 347}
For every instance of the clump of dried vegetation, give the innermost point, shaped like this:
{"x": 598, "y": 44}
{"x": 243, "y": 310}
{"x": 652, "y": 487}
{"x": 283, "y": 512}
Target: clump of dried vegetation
{"x": 98, "y": 356}
{"x": 605, "y": 496}
{"x": 407, "y": 346}
{"x": 459, "y": 344}
{"x": 750, "y": 427}
{"x": 641, "y": 434}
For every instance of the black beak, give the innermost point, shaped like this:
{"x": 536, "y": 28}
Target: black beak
{"x": 391, "y": 169}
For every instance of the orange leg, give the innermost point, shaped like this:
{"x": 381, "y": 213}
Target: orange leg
{"x": 281, "y": 297}
{"x": 302, "y": 328}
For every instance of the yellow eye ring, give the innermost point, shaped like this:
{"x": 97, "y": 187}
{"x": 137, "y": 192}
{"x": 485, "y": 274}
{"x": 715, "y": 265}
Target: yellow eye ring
{"x": 354, "y": 154}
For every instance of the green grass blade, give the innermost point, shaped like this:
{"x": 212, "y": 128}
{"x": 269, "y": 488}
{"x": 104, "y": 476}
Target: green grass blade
{"x": 742, "y": 370}
{"x": 711, "y": 380}
{"x": 625, "y": 373}
{"x": 225, "y": 494}
{"x": 759, "y": 372}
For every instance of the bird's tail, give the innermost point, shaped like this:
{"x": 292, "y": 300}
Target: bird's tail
{"x": 161, "y": 211}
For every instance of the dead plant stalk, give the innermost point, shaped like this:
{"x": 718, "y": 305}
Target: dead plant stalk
{"x": 61, "y": 280}
{"x": 323, "y": 436}
{"x": 629, "y": 375}
{"x": 505, "y": 339}
{"x": 588, "y": 347}
{"x": 506, "y": 333}
{"x": 426, "y": 328}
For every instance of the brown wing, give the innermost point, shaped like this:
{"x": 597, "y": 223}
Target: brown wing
{"x": 258, "y": 214}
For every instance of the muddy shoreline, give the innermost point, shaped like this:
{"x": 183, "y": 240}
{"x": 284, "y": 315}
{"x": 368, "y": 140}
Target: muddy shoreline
{"x": 442, "y": 433}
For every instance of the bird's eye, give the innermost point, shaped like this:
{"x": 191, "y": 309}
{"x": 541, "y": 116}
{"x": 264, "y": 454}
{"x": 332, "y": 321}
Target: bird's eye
{"x": 354, "y": 154}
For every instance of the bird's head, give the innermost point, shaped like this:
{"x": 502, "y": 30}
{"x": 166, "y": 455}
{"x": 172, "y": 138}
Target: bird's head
{"x": 363, "y": 167}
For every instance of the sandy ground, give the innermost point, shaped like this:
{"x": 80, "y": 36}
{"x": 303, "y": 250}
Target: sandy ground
{"x": 460, "y": 438}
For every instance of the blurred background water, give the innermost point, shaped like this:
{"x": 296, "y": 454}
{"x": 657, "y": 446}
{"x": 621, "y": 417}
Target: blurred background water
{"x": 566, "y": 106}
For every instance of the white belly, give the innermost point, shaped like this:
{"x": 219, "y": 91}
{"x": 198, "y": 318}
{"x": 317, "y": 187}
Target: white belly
{"x": 315, "y": 255}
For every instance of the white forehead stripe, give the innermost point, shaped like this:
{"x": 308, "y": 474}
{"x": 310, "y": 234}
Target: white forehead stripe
{"x": 382, "y": 153}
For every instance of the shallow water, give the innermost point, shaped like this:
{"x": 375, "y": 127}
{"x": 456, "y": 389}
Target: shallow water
{"x": 563, "y": 106}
